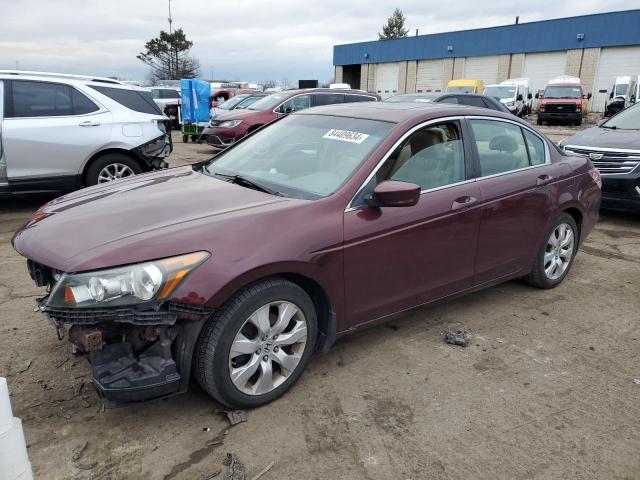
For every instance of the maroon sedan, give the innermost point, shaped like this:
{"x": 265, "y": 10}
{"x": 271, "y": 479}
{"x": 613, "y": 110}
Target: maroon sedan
{"x": 323, "y": 223}
{"x": 228, "y": 127}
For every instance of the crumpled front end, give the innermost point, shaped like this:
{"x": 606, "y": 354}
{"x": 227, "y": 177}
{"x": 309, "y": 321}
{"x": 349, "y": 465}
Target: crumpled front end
{"x": 137, "y": 352}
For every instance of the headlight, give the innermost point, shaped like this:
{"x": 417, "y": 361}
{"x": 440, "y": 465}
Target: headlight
{"x": 161, "y": 126}
{"x": 130, "y": 285}
{"x": 542, "y": 107}
{"x": 230, "y": 123}
{"x": 578, "y": 108}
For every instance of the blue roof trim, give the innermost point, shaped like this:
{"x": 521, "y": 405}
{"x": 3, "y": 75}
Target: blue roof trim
{"x": 600, "y": 30}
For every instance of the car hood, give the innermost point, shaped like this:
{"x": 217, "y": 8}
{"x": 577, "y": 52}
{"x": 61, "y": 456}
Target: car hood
{"x": 597, "y": 137}
{"x": 150, "y": 216}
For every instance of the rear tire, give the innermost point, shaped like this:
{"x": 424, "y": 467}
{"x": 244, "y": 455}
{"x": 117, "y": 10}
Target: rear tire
{"x": 555, "y": 257}
{"x": 113, "y": 166}
{"x": 578, "y": 123}
{"x": 231, "y": 343}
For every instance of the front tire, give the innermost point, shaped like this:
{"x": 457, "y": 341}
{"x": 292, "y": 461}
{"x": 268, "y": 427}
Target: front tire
{"x": 255, "y": 347}
{"x": 555, "y": 258}
{"x": 109, "y": 167}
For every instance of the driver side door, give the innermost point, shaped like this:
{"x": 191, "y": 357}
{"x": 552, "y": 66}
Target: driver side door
{"x": 396, "y": 258}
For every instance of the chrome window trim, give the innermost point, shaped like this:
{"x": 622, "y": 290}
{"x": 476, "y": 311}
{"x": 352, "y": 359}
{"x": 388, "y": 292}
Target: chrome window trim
{"x": 350, "y": 208}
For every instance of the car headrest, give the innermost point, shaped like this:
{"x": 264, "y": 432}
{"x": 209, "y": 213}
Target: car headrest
{"x": 503, "y": 143}
{"x": 423, "y": 139}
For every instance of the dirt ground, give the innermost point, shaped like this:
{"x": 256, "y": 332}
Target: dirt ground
{"x": 546, "y": 390}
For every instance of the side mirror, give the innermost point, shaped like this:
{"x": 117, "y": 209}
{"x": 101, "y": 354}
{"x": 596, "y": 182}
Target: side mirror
{"x": 393, "y": 193}
{"x": 601, "y": 122}
{"x": 611, "y": 94}
{"x": 589, "y": 96}
{"x": 529, "y": 96}
{"x": 538, "y": 95}
{"x": 519, "y": 98}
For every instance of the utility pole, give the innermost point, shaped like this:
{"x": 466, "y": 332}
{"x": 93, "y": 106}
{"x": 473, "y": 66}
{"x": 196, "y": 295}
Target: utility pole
{"x": 17, "y": 65}
{"x": 172, "y": 73}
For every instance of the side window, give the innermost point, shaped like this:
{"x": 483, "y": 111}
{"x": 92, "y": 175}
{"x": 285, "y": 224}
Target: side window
{"x": 40, "y": 99}
{"x": 296, "y": 103}
{"x": 155, "y": 93}
{"x": 449, "y": 100}
{"x": 430, "y": 157}
{"x": 359, "y": 98}
{"x": 501, "y": 146}
{"x": 536, "y": 148}
{"x": 167, "y": 93}
{"x": 327, "y": 98}
{"x": 472, "y": 101}
{"x": 136, "y": 100}
{"x": 81, "y": 103}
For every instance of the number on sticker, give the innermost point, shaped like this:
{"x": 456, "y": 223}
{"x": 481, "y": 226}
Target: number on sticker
{"x": 345, "y": 136}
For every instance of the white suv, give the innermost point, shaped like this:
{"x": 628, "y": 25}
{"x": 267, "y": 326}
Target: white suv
{"x": 63, "y": 132}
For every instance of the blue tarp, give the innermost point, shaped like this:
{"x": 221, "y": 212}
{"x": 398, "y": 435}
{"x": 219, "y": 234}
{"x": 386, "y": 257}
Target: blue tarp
{"x": 195, "y": 101}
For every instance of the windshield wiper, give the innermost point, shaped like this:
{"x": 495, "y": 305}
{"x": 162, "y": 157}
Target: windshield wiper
{"x": 612, "y": 127}
{"x": 245, "y": 182}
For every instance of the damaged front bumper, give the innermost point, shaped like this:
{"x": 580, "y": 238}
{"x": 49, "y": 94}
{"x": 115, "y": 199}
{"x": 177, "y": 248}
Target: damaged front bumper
{"x": 136, "y": 354}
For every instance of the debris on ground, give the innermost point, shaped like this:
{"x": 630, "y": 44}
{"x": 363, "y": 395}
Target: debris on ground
{"x": 236, "y": 468}
{"x": 459, "y": 337}
{"x": 77, "y": 389}
{"x": 25, "y": 366}
{"x": 636, "y": 381}
{"x": 209, "y": 476}
{"x": 236, "y": 416}
{"x": 263, "y": 471}
{"x": 86, "y": 466}
{"x": 206, "y": 429}
{"x": 77, "y": 452}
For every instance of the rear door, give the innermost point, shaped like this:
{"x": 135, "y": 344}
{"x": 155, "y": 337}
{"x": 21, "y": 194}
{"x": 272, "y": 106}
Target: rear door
{"x": 49, "y": 130}
{"x": 517, "y": 191}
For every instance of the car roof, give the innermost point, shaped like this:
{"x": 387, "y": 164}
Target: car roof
{"x": 68, "y": 79}
{"x": 401, "y": 112}
{"x": 296, "y": 91}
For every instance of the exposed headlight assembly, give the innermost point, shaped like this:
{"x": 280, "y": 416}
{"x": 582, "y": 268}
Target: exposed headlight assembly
{"x": 230, "y": 123}
{"x": 129, "y": 285}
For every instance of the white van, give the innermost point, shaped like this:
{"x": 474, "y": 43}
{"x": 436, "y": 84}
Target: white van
{"x": 514, "y": 94}
{"x": 622, "y": 94}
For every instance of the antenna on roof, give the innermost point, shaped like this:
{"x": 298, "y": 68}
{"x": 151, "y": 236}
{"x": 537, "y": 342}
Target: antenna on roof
{"x": 517, "y": 18}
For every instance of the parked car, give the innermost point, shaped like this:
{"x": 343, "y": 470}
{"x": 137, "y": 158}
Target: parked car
{"x": 241, "y": 101}
{"x": 322, "y": 223}
{"x": 227, "y": 128}
{"x": 514, "y": 94}
{"x": 168, "y": 99}
{"x": 563, "y": 101}
{"x": 482, "y": 101}
{"x": 614, "y": 148}
{"x": 623, "y": 94}
{"x": 465, "y": 86}
{"x": 62, "y": 132}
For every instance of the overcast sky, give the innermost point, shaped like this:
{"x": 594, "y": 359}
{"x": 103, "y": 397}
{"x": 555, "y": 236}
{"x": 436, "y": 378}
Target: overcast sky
{"x": 250, "y": 40}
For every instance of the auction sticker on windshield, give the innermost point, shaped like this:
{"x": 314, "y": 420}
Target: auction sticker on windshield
{"x": 346, "y": 136}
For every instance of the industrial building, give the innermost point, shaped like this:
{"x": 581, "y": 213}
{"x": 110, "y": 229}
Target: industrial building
{"x": 597, "y": 48}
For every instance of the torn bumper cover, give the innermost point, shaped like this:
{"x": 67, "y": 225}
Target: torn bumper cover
{"x": 135, "y": 354}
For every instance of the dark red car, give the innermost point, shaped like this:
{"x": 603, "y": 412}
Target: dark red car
{"x": 323, "y": 223}
{"x": 228, "y": 127}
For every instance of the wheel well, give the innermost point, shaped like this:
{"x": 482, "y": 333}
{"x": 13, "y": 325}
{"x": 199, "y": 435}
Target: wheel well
{"x": 253, "y": 127}
{"x": 106, "y": 152}
{"x": 577, "y": 216}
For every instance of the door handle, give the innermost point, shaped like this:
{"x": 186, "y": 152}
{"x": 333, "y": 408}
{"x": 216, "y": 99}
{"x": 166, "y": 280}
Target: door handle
{"x": 463, "y": 202}
{"x": 543, "y": 180}
{"x": 89, "y": 123}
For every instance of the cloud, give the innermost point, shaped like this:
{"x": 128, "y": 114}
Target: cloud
{"x": 244, "y": 39}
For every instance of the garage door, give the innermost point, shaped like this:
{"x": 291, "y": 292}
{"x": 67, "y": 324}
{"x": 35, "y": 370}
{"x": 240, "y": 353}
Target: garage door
{"x": 539, "y": 68}
{"x": 387, "y": 79}
{"x": 430, "y": 76}
{"x": 482, "y": 68}
{"x": 614, "y": 62}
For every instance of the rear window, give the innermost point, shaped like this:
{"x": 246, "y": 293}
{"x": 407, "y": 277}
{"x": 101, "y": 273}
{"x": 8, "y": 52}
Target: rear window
{"x": 135, "y": 100}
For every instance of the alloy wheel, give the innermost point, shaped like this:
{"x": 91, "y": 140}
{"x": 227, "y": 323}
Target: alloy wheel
{"x": 559, "y": 251}
{"x": 268, "y": 348}
{"x": 114, "y": 171}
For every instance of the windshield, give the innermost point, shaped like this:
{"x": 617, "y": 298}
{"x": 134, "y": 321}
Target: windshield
{"x": 303, "y": 156}
{"x": 566, "y": 91}
{"x": 248, "y": 101}
{"x": 268, "y": 102}
{"x": 621, "y": 89}
{"x": 466, "y": 89}
{"x": 501, "y": 92}
{"x": 232, "y": 102}
{"x": 628, "y": 119}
